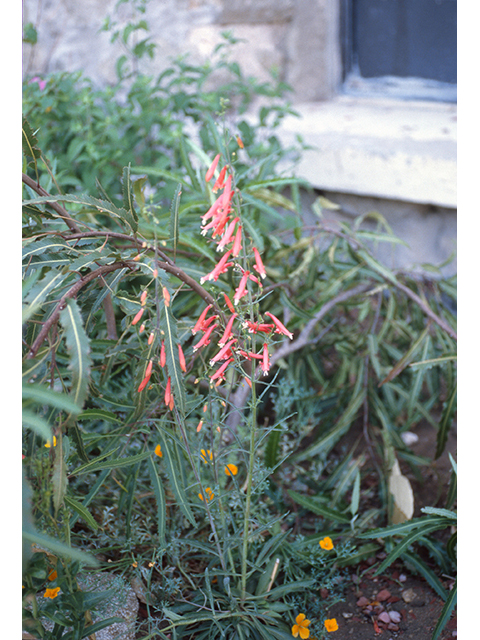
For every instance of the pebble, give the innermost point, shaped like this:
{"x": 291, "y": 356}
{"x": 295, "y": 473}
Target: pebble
{"x": 347, "y": 615}
{"x": 383, "y": 595}
{"x": 393, "y": 627}
{"x": 384, "y": 617}
{"x": 402, "y": 577}
{"x": 408, "y": 595}
{"x": 395, "y": 616}
{"x": 362, "y": 602}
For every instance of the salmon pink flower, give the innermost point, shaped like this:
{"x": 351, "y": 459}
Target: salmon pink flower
{"x": 205, "y": 339}
{"x": 265, "y": 360}
{"x": 241, "y": 290}
{"x": 211, "y": 169}
{"x": 220, "y": 268}
{"x": 240, "y": 142}
{"x": 166, "y": 296}
{"x": 258, "y": 263}
{"x": 256, "y": 327}
{"x": 151, "y": 338}
{"x": 227, "y": 192}
{"x": 181, "y": 359}
{"x": 137, "y": 317}
{"x": 163, "y": 357}
{"x": 148, "y": 374}
{"x": 219, "y": 183}
{"x": 237, "y": 243}
{"x": 143, "y": 297}
{"x": 228, "y": 330}
{"x": 199, "y": 426}
{"x": 279, "y": 327}
{"x": 219, "y": 374}
{"x": 168, "y": 392}
{"x": 199, "y": 324}
{"x": 225, "y": 352}
{"x": 228, "y": 302}
{"x": 227, "y": 236}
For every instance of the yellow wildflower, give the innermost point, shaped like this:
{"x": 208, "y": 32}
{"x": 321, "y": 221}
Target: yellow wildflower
{"x": 331, "y": 625}
{"x": 49, "y": 444}
{"x": 326, "y": 543}
{"x": 300, "y": 629}
{"x": 210, "y": 494}
{"x": 231, "y": 469}
{"x": 205, "y": 455}
{"x": 52, "y": 576}
{"x": 51, "y": 593}
{"x": 158, "y": 451}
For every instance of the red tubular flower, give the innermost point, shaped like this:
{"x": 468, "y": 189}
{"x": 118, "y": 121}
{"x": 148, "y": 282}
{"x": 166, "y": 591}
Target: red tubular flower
{"x": 163, "y": 357}
{"x": 265, "y": 360}
{"x": 151, "y": 338}
{"x": 181, "y": 359}
{"x": 168, "y": 392}
{"x": 228, "y": 302}
{"x": 137, "y": 317}
{"x": 237, "y": 243}
{"x": 258, "y": 263}
{"x": 212, "y": 168}
{"x": 166, "y": 296}
{"x": 228, "y": 330}
{"x": 220, "y": 372}
{"x": 143, "y": 297}
{"x": 220, "y": 180}
{"x": 240, "y": 142}
{"x": 148, "y": 374}
{"x": 279, "y": 327}
{"x": 200, "y": 321}
{"x": 220, "y": 268}
{"x": 224, "y": 352}
{"x": 205, "y": 339}
{"x": 227, "y": 236}
{"x": 227, "y": 193}
{"x": 256, "y": 327}
{"x": 241, "y": 290}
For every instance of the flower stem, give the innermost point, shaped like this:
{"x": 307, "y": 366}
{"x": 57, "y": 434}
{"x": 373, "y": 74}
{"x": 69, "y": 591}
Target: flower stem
{"x": 248, "y": 501}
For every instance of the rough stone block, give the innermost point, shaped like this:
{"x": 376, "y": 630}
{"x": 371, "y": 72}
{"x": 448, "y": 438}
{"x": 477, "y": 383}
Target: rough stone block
{"x": 256, "y": 11}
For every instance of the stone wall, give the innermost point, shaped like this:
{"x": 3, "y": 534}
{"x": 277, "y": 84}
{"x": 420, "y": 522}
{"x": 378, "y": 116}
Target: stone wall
{"x": 297, "y": 39}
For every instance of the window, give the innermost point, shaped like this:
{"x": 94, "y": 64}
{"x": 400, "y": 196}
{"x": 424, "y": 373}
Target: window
{"x": 400, "y": 47}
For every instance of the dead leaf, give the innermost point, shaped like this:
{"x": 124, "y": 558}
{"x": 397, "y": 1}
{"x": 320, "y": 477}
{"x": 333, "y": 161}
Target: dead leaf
{"x": 401, "y": 490}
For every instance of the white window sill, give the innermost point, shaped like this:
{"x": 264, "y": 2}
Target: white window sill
{"x": 386, "y": 148}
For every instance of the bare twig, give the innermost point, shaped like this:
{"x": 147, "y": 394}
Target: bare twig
{"x": 63, "y": 213}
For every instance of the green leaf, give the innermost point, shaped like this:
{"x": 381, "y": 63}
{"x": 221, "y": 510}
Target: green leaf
{"x": 82, "y": 512}
{"x": 42, "y": 540}
{"x": 30, "y": 143}
{"x": 174, "y": 219}
{"x": 98, "y": 414}
{"x": 127, "y": 189}
{"x": 174, "y": 477}
{"x": 44, "y": 395}
{"x": 78, "y": 346}
{"x": 446, "y": 421}
{"x": 103, "y": 206}
{"x": 37, "y": 424}
{"x": 423, "y": 569}
{"x": 111, "y": 464}
{"x": 406, "y": 359}
{"x": 446, "y": 612}
{"x": 169, "y": 327}
{"x": 317, "y": 507}
{"x": 160, "y": 498}
{"x": 59, "y": 477}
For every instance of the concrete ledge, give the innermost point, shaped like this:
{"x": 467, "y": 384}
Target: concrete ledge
{"x": 384, "y": 148}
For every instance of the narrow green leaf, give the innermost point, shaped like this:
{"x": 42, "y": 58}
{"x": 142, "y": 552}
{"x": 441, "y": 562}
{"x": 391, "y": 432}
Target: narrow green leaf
{"x": 423, "y": 569}
{"x": 375, "y": 266}
{"x": 86, "y": 468}
{"x": 111, "y": 464}
{"x": 416, "y": 387}
{"x": 82, "y": 512}
{"x": 44, "y": 395}
{"x": 432, "y": 362}
{"x": 99, "y": 625}
{"x": 169, "y": 326}
{"x": 315, "y": 506}
{"x": 102, "y": 206}
{"x": 171, "y": 464}
{"x": 160, "y": 498}
{"x": 37, "y": 424}
{"x": 407, "y": 358}
{"x": 127, "y": 189}
{"x": 403, "y": 528}
{"x": 446, "y": 612}
{"x": 59, "y": 548}
{"x": 98, "y": 414}
{"x": 355, "y": 499}
{"x": 174, "y": 219}
{"x": 446, "y": 421}
{"x": 91, "y": 494}
{"x": 59, "y": 477}
{"x": 78, "y": 346}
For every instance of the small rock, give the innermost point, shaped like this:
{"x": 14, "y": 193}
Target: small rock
{"x": 362, "y": 602}
{"x": 393, "y": 599}
{"x": 383, "y": 595}
{"x": 384, "y": 617}
{"x": 402, "y": 577}
{"x": 395, "y": 616}
{"x": 393, "y": 627}
{"x": 347, "y": 615}
{"x": 408, "y": 595}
